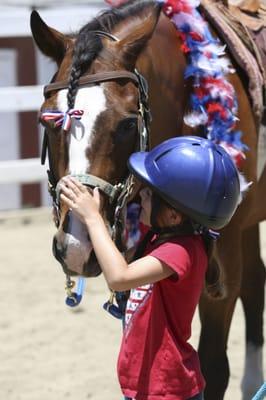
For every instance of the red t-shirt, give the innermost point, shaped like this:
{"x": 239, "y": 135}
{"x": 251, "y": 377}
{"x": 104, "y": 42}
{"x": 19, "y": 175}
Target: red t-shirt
{"x": 155, "y": 360}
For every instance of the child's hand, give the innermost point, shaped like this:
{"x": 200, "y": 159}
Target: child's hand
{"x": 76, "y": 196}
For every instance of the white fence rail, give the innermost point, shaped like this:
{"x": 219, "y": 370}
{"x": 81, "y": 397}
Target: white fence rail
{"x": 20, "y": 98}
{"x": 15, "y": 22}
{"x": 29, "y": 170}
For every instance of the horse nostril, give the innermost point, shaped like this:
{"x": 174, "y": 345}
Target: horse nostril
{"x": 54, "y": 247}
{"x": 58, "y": 254}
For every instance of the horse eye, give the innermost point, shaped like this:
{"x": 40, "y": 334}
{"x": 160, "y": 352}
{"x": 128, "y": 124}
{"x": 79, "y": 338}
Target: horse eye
{"x": 131, "y": 124}
{"x": 127, "y": 127}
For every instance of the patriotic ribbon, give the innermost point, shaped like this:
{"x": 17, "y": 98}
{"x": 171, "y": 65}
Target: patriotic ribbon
{"x": 61, "y": 119}
{"x": 115, "y": 3}
{"x": 213, "y": 102}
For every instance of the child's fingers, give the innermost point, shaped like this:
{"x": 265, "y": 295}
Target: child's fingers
{"x": 96, "y": 195}
{"x": 77, "y": 184}
{"x": 67, "y": 183}
{"x": 66, "y": 200}
{"x": 69, "y": 192}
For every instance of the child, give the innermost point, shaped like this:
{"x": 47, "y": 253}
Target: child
{"x": 191, "y": 185}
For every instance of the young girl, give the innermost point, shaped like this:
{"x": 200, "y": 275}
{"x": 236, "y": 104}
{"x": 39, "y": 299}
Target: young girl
{"x": 190, "y": 185}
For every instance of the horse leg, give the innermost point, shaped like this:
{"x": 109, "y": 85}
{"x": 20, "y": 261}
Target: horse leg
{"x": 216, "y": 316}
{"x": 252, "y": 297}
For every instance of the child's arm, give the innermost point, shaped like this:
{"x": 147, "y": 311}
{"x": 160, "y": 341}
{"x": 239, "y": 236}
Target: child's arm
{"x": 118, "y": 274}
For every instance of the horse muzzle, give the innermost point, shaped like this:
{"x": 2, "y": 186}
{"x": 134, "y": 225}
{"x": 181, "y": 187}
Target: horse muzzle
{"x": 73, "y": 263}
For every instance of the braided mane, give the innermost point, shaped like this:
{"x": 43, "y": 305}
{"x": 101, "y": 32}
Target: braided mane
{"x": 88, "y": 44}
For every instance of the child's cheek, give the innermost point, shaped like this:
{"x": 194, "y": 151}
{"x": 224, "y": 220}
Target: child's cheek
{"x": 145, "y": 214}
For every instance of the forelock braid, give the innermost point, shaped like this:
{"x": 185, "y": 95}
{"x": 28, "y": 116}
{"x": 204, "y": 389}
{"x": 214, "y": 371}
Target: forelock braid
{"x": 73, "y": 86}
{"x": 87, "y": 47}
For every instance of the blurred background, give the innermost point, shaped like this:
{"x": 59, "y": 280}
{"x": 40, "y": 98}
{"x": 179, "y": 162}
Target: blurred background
{"x": 48, "y": 350}
{"x": 23, "y": 71}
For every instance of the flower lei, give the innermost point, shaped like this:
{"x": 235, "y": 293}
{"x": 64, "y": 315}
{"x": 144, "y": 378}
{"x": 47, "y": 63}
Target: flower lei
{"x": 213, "y": 101}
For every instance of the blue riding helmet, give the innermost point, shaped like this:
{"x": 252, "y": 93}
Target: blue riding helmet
{"x": 193, "y": 175}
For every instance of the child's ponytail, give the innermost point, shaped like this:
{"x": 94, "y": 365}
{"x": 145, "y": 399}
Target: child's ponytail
{"x": 214, "y": 285}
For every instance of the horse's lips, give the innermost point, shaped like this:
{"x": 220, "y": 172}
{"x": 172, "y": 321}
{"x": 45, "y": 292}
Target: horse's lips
{"x": 90, "y": 269}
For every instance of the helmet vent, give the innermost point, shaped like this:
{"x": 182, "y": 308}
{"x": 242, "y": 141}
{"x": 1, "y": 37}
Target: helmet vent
{"x": 162, "y": 155}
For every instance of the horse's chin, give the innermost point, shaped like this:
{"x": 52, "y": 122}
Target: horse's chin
{"x": 91, "y": 269}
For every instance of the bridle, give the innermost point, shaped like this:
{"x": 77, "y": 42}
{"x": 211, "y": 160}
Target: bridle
{"x": 118, "y": 194}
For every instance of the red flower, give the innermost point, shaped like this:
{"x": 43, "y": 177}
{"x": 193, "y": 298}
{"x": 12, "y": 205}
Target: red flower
{"x": 208, "y": 54}
{"x": 196, "y": 36}
{"x": 185, "y": 48}
{"x": 200, "y": 92}
{"x": 237, "y": 155}
{"x": 213, "y": 108}
{"x": 176, "y": 6}
{"x": 182, "y": 35}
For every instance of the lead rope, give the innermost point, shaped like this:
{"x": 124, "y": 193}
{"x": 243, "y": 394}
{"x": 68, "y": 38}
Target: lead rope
{"x": 118, "y": 310}
{"x": 74, "y": 298}
{"x": 261, "y": 394}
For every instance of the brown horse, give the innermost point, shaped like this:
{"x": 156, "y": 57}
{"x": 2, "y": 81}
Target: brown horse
{"x": 101, "y": 141}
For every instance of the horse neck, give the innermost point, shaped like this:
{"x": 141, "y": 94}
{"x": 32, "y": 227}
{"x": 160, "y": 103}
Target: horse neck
{"x": 163, "y": 65}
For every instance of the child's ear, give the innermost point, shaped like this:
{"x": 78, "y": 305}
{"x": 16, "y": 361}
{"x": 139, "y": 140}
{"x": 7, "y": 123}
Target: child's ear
{"x": 175, "y": 216}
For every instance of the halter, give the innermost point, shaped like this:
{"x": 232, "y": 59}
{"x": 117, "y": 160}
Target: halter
{"x": 121, "y": 191}
{"x": 118, "y": 194}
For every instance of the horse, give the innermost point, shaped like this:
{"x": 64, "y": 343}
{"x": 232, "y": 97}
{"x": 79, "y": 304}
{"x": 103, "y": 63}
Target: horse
{"x": 100, "y": 78}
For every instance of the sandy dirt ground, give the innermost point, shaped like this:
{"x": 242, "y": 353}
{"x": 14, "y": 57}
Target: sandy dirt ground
{"x": 49, "y": 351}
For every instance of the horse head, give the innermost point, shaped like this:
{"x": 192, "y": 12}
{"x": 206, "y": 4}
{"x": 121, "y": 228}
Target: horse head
{"x": 92, "y": 114}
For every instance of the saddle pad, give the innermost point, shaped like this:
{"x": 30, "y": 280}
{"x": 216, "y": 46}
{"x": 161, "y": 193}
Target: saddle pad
{"x": 240, "y": 53}
{"x": 252, "y": 20}
{"x": 245, "y": 59}
{"x": 251, "y": 29}
{"x": 261, "y": 162}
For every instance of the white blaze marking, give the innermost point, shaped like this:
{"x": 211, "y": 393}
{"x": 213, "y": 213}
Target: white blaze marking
{"x": 93, "y": 102}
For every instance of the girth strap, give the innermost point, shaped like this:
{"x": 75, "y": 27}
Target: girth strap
{"x": 112, "y": 191}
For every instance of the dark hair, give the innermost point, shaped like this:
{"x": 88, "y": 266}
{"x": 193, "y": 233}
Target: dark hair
{"x": 88, "y": 44}
{"x": 214, "y": 286}
{"x": 214, "y": 279}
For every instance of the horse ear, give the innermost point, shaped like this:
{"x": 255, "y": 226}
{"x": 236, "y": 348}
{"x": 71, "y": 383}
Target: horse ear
{"x": 135, "y": 34}
{"x": 49, "y": 41}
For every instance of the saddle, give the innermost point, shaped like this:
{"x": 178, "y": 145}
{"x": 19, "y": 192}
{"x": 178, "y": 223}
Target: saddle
{"x": 243, "y": 28}
{"x": 249, "y": 22}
